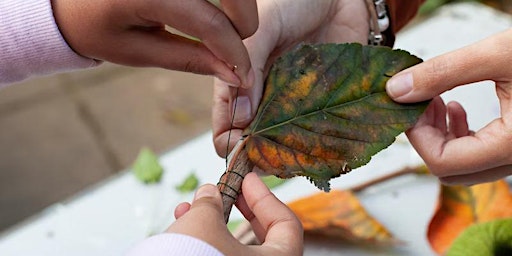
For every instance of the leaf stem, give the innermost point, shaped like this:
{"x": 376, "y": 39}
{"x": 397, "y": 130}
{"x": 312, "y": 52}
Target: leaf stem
{"x": 230, "y": 182}
{"x": 421, "y": 169}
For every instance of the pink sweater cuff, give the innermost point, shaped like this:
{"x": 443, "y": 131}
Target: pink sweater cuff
{"x": 31, "y": 43}
{"x": 168, "y": 244}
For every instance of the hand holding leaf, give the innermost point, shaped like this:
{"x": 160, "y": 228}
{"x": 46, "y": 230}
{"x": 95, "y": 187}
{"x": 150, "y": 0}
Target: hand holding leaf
{"x": 324, "y": 112}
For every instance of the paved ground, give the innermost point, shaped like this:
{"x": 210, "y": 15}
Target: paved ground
{"x": 62, "y": 133}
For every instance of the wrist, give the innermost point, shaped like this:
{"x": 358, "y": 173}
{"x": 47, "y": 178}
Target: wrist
{"x": 62, "y": 16}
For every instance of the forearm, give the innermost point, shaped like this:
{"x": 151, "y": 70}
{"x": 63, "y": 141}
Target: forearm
{"x": 31, "y": 44}
{"x": 402, "y": 11}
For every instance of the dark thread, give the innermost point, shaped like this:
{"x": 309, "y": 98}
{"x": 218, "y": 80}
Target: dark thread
{"x": 231, "y": 126}
{"x": 228, "y": 195}
{"x": 225, "y": 184}
{"x": 239, "y": 175}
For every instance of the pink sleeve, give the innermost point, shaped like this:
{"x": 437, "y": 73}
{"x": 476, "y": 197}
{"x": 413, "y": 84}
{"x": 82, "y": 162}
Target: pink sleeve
{"x": 31, "y": 44}
{"x": 168, "y": 244}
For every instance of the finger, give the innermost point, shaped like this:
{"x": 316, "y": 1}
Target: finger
{"x": 458, "y": 122}
{"x": 242, "y": 206}
{"x": 248, "y": 99}
{"x": 434, "y": 115}
{"x": 205, "y": 221}
{"x": 281, "y": 227}
{"x": 246, "y": 211}
{"x": 207, "y": 203}
{"x": 222, "y": 119}
{"x": 162, "y": 49}
{"x": 490, "y": 175}
{"x": 205, "y": 210}
{"x": 223, "y": 146}
{"x": 243, "y": 15}
{"x": 232, "y": 112}
{"x": 439, "y": 114}
{"x": 477, "y": 62}
{"x": 181, "y": 209}
{"x": 486, "y": 149}
{"x": 203, "y": 20}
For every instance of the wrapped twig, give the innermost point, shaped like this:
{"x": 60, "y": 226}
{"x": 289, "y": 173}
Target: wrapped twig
{"x": 230, "y": 182}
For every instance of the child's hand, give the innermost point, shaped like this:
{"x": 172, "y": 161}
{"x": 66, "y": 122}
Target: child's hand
{"x": 275, "y": 225}
{"x": 133, "y": 33}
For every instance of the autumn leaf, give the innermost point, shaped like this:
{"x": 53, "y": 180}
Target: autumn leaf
{"x": 460, "y": 207}
{"x": 339, "y": 214}
{"x": 325, "y": 111}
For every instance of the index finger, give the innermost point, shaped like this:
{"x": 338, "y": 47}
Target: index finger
{"x": 484, "y": 60}
{"x": 205, "y": 21}
{"x": 243, "y": 15}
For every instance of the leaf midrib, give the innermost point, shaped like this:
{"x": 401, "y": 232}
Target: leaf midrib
{"x": 307, "y": 114}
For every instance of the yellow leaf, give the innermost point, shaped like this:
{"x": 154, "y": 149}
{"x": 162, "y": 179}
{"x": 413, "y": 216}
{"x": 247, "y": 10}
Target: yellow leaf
{"x": 339, "y": 214}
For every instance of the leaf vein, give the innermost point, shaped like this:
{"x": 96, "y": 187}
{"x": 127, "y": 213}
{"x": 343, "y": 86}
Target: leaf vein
{"x": 331, "y": 136}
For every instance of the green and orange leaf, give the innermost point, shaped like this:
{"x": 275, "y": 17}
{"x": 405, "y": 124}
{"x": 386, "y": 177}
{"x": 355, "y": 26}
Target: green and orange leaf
{"x": 460, "y": 207}
{"x": 325, "y": 111}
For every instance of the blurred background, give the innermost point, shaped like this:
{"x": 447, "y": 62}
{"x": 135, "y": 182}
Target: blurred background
{"x": 63, "y": 133}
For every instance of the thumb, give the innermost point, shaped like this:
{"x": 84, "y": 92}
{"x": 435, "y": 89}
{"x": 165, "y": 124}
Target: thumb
{"x": 205, "y": 211}
{"x": 207, "y": 199}
{"x": 205, "y": 221}
{"x": 473, "y": 63}
{"x": 426, "y": 80}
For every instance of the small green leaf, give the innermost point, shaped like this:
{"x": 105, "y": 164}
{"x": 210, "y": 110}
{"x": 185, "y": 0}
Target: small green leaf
{"x": 484, "y": 239}
{"x": 272, "y": 181}
{"x": 189, "y": 184}
{"x": 146, "y": 167}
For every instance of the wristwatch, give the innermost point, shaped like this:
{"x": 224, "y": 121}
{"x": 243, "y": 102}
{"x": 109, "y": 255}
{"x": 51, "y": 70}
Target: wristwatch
{"x": 379, "y": 23}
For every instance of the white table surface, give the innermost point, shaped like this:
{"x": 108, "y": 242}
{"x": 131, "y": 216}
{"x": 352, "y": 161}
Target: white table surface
{"x": 110, "y": 217}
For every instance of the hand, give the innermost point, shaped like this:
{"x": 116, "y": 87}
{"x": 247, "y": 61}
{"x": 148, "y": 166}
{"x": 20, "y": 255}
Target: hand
{"x": 133, "y": 33}
{"x": 451, "y": 151}
{"x": 273, "y": 222}
{"x": 283, "y": 25}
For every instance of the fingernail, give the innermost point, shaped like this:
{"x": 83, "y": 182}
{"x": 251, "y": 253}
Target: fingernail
{"x": 250, "y": 79}
{"x": 399, "y": 85}
{"x": 206, "y": 191}
{"x": 242, "y": 111}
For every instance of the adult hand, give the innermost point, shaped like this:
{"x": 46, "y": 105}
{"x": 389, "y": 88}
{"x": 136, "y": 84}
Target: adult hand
{"x": 451, "y": 151}
{"x": 283, "y": 25}
{"x": 133, "y": 33}
{"x": 274, "y": 224}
